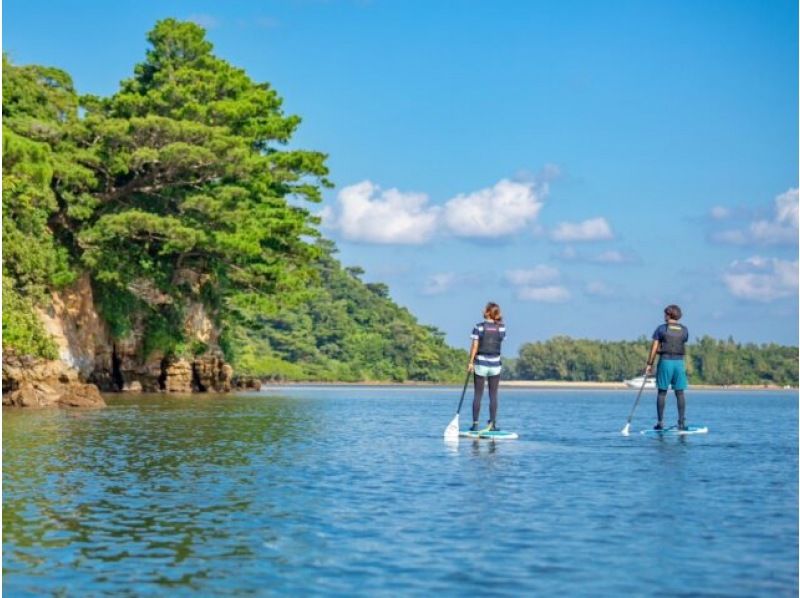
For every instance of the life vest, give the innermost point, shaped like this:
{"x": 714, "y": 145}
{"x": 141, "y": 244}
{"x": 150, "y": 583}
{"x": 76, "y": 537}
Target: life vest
{"x": 673, "y": 343}
{"x": 489, "y": 344}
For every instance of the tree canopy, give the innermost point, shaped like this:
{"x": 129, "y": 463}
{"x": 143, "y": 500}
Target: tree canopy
{"x": 708, "y": 361}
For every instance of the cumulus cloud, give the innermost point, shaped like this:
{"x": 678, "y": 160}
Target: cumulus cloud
{"x": 546, "y": 294}
{"x": 598, "y": 289}
{"x": 781, "y": 229}
{"x": 503, "y": 209}
{"x": 720, "y": 212}
{"x": 439, "y": 283}
{"x": 593, "y": 229}
{"x": 762, "y": 279}
{"x": 369, "y": 214}
{"x": 538, "y": 284}
{"x": 537, "y": 275}
{"x": 372, "y": 215}
{"x": 610, "y": 257}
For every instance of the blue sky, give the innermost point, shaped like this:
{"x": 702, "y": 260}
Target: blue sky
{"x": 581, "y": 163}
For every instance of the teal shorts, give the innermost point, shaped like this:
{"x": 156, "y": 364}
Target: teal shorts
{"x": 671, "y": 372}
{"x": 486, "y": 370}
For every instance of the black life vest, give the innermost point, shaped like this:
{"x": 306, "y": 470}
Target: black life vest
{"x": 673, "y": 343}
{"x": 489, "y": 344}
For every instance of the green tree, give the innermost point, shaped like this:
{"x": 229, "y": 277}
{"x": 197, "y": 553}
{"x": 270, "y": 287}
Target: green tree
{"x": 39, "y": 106}
{"x": 192, "y": 192}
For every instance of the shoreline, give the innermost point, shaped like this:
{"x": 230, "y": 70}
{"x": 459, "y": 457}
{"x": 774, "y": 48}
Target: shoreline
{"x": 541, "y": 384}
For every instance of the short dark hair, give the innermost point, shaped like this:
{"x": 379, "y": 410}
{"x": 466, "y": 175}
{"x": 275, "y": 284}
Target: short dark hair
{"x": 673, "y": 312}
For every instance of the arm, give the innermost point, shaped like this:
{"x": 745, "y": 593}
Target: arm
{"x": 473, "y": 350}
{"x": 653, "y": 351}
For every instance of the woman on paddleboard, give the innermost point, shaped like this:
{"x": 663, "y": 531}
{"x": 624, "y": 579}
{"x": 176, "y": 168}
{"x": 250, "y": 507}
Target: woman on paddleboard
{"x": 484, "y": 361}
{"x": 669, "y": 342}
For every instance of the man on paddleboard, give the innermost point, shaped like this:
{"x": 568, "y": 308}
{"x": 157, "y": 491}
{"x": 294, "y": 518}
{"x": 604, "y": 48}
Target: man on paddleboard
{"x": 484, "y": 360}
{"x": 669, "y": 342}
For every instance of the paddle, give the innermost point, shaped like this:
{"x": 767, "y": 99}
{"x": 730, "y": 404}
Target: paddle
{"x": 451, "y": 431}
{"x": 627, "y": 429}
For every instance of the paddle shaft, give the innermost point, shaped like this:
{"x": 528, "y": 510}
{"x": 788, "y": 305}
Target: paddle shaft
{"x": 638, "y": 396}
{"x": 463, "y": 392}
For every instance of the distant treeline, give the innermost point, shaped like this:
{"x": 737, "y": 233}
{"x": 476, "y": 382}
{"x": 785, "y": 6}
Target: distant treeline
{"x": 708, "y": 361}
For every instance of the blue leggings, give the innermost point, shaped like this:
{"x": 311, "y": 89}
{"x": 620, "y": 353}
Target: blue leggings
{"x": 494, "y": 385}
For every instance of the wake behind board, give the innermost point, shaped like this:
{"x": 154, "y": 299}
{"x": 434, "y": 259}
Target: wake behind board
{"x": 674, "y": 431}
{"x": 489, "y": 435}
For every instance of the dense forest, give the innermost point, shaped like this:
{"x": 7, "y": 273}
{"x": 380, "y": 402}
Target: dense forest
{"x": 708, "y": 361}
{"x": 177, "y": 189}
{"x": 347, "y": 330}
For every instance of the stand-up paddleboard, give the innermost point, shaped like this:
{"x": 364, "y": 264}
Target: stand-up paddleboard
{"x": 489, "y": 435}
{"x": 674, "y": 431}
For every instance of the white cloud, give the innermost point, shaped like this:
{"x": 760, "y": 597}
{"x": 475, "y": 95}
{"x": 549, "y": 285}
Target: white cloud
{"x": 781, "y": 229}
{"x": 762, "y": 279}
{"x": 372, "y": 215}
{"x": 436, "y": 284}
{"x": 598, "y": 288}
{"x": 594, "y": 229}
{"x": 720, "y": 212}
{"x": 532, "y": 284}
{"x": 537, "y": 275}
{"x": 786, "y": 208}
{"x": 609, "y": 257}
{"x": 366, "y": 213}
{"x": 546, "y": 294}
{"x": 732, "y": 237}
{"x": 506, "y": 208}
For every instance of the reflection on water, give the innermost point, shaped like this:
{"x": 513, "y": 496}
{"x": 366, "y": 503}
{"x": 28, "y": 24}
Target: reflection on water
{"x": 353, "y": 491}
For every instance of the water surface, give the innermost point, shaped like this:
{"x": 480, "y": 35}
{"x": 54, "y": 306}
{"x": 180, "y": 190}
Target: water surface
{"x": 352, "y": 491}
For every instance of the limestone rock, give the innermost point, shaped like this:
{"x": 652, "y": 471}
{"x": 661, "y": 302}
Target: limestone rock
{"x": 247, "y": 383}
{"x": 211, "y": 373}
{"x": 34, "y": 383}
{"x": 178, "y": 376}
{"x": 77, "y": 329}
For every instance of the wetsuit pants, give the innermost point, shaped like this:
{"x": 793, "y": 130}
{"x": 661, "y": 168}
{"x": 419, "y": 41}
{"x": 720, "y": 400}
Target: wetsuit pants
{"x": 661, "y": 400}
{"x": 494, "y": 385}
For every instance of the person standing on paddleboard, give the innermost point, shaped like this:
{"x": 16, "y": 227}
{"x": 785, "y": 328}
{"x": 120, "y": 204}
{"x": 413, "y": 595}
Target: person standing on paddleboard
{"x": 484, "y": 361}
{"x": 669, "y": 342}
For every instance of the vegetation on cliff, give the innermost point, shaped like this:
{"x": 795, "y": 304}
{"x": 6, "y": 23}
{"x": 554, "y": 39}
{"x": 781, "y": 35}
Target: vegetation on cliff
{"x": 179, "y": 189}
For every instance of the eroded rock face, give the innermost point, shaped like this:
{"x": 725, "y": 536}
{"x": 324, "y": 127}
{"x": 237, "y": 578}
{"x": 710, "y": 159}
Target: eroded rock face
{"x": 88, "y": 352}
{"x": 247, "y": 383}
{"x": 211, "y": 373}
{"x": 79, "y": 333}
{"x": 35, "y": 383}
{"x": 178, "y": 376}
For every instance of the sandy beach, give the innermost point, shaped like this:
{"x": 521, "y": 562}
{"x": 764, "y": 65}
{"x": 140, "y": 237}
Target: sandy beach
{"x": 543, "y": 384}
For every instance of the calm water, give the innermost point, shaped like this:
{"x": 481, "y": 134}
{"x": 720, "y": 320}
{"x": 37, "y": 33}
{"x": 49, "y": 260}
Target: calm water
{"x": 353, "y": 491}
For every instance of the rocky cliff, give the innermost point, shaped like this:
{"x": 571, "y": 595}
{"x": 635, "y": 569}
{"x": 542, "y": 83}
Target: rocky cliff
{"x": 90, "y": 359}
{"x": 32, "y": 382}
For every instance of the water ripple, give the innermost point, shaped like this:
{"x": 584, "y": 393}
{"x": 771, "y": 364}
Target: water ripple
{"x": 352, "y": 492}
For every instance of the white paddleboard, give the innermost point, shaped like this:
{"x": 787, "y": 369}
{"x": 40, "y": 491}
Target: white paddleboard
{"x": 674, "y": 431}
{"x": 489, "y": 435}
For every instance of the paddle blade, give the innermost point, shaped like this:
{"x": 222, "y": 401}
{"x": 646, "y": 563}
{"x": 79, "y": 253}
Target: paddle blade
{"x": 451, "y": 431}
{"x": 626, "y": 430}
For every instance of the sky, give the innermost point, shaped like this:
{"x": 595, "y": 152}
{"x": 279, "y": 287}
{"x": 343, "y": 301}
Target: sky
{"x": 583, "y": 164}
